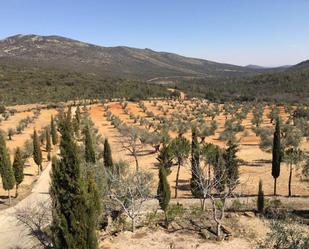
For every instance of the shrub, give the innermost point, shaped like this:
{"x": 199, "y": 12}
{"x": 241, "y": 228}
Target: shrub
{"x": 236, "y": 205}
{"x": 275, "y": 210}
{"x": 175, "y": 211}
{"x": 285, "y": 235}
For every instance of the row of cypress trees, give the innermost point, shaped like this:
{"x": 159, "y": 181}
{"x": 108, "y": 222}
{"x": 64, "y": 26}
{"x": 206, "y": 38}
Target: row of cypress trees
{"x": 75, "y": 198}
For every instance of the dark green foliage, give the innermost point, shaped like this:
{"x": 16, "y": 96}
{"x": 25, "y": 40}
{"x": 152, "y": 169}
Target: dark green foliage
{"x": 7, "y": 173}
{"x": 18, "y": 168}
{"x": 107, "y": 155}
{"x": 231, "y": 164}
{"x": 163, "y": 191}
{"x": 77, "y": 114}
{"x": 276, "y": 154}
{"x": 76, "y": 120}
{"x": 220, "y": 170}
{"x": 195, "y": 164}
{"x": 53, "y": 131}
{"x": 59, "y": 85}
{"x": 260, "y": 198}
{"x": 165, "y": 158}
{"x": 48, "y": 142}
{"x": 89, "y": 147}
{"x": 37, "y": 153}
{"x": 287, "y": 86}
{"x": 72, "y": 201}
{"x": 94, "y": 209}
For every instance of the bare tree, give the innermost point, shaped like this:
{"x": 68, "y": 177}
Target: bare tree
{"x": 128, "y": 193}
{"x": 36, "y": 218}
{"x": 217, "y": 187}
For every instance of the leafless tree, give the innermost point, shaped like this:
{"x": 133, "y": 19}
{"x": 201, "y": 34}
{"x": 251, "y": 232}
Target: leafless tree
{"x": 128, "y": 193}
{"x": 36, "y": 218}
{"x": 217, "y": 187}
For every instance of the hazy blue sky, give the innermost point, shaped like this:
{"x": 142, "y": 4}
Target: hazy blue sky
{"x": 264, "y": 32}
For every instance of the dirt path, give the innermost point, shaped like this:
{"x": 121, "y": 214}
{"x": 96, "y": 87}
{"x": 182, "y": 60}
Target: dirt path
{"x": 13, "y": 234}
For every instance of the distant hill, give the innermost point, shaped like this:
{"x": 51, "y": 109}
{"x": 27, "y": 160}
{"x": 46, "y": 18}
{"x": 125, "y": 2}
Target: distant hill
{"x": 304, "y": 65}
{"x": 52, "y": 68}
{"x": 55, "y": 52}
{"x": 255, "y": 66}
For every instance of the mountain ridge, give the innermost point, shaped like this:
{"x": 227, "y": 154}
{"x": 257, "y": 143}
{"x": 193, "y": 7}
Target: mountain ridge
{"x": 121, "y": 61}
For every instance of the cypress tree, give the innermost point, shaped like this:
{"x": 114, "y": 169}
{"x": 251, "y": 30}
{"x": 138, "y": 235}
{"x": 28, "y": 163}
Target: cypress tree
{"x": 276, "y": 155}
{"x": 260, "y": 199}
{"x": 48, "y": 142}
{"x": 76, "y": 121}
{"x": 89, "y": 149}
{"x": 93, "y": 210}
{"x": 53, "y": 131}
{"x": 37, "y": 153}
{"x": 72, "y": 225}
{"x": 7, "y": 173}
{"x": 69, "y": 115}
{"x": 77, "y": 114}
{"x": 163, "y": 191}
{"x": 107, "y": 155}
{"x": 195, "y": 164}
{"x": 18, "y": 168}
{"x": 231, "y": 164}
{"x": 220, "y": 170}
{"x": 166, "y": 157}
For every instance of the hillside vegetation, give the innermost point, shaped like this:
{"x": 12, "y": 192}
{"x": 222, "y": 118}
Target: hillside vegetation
{"x": 287, "y": 86}
{"x": 31, "y": 84}
{"x": 125, "y": 62}
{"x": 52, "y": 68}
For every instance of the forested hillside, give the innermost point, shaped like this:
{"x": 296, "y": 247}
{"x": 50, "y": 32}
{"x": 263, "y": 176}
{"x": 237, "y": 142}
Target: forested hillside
{"x": 31, "y": 84}
{"x": 289, "y": 85}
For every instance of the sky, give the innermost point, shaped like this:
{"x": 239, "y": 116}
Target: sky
{"x": 241, "y": 32}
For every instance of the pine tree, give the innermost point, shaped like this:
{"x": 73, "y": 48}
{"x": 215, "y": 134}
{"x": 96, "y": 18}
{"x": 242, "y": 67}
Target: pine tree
{"x": 37, "y": 153}
{"x": 195, "y": 164}
{"x": 18, "y": 167}
{"x": 72, "y": 213}
{"x": 260, "y": 199}
{"x": 89, "y": 149}
{"x": 48, "y": 142}
{"x": 7, "y": 174}
{"x": 53, "y": 131}
{"x": 107, "y": 155}
{"x": 163, "y": 191}
{"x": 276, "y": 154}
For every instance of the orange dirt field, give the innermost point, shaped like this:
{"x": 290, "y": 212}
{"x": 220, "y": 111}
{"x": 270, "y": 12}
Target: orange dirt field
{"x": 249, "y": 150}
{"x": 18, "y": 140}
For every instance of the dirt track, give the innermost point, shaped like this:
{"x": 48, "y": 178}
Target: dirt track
{"x": 13, "y": 234}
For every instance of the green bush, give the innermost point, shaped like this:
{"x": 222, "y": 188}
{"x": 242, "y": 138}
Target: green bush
{"x": 175, "y": 211}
